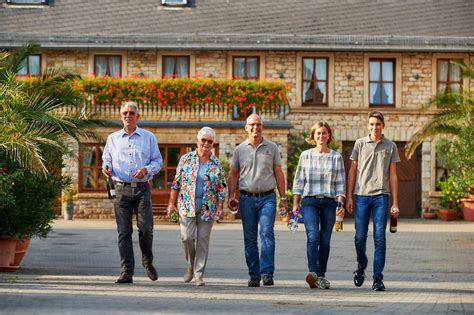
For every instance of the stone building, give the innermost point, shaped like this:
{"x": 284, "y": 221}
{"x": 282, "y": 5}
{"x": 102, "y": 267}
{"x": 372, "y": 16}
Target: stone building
{"x": 341, "y": 59}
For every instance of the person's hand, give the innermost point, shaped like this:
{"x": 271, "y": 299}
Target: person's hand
{"x": 140, "y": 173}
{"x": 395, "y": 211}
{"x": 107, "y": 171}
{"x": 350, "y": 204}
{"x": 233, "y": 204}
{"x": 171, "y": 208}
{"x": 296, "y": 210}
{"x": 219, "y": 214}
{"x": 341, "y": 212}
{"x": 283, "y": 204}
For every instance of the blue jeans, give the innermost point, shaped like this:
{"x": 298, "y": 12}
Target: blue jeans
{"x": 319, "y": 217}
{"x": 364, "y": 206}
{"x": 255, "y": 210}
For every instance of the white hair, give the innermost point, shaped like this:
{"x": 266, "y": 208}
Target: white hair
{"x": 206, "y": 131}
{"x": 129, "y": 104}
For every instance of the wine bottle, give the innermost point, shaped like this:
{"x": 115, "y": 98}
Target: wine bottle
{"x": 393, "y": 224}
{"x": 110, "y": 186}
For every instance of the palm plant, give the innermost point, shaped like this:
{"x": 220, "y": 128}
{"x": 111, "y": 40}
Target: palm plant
{"x": 37, "y": 113}
{"x": 454, "y": 111}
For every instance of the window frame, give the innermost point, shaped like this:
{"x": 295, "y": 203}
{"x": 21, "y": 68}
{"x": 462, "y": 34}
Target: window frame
{"x": 448, "y": 83}
{"x": 314, "y": 80}
{"x": 381, "y": 82}
{"x": 175, "y": 65}
{"x": 97, "y": 167}
{"x": 28, "y": 74}
{"x": 465, "y": 81}
{"x": 261, "y": 66}
{"x": 108, "y": 64}
{"x": 246, "y": 77}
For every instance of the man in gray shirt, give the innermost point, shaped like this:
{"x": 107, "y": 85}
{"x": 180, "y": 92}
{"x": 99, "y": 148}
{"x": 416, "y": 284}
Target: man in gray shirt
{"x": 373, "y": 172}
{"x": 256, "y": 167}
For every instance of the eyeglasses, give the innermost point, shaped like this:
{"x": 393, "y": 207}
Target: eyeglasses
{"x": 255, "y": 125}
{"x": 128, "y": 113}
{"x": 203, "y": 141}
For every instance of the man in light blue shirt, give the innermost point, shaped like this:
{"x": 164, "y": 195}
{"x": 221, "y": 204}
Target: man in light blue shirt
{"x": 131, "y": 157}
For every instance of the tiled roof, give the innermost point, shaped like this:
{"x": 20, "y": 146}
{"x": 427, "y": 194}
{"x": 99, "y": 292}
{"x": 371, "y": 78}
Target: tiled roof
{"x": 245, "y": 24}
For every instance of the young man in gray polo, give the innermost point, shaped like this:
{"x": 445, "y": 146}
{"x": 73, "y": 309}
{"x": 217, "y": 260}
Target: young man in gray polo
{"x": 373, "y": 172}
{"x": 256, "y": 166}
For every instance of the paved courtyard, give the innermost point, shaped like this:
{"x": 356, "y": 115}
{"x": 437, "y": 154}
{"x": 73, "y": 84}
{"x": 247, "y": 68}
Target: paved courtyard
{"x": 429, "y": 269}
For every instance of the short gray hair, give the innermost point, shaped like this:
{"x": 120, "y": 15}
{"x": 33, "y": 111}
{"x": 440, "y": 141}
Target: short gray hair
{"x": 206, "y": 131}
{"x": 129, "y": 104}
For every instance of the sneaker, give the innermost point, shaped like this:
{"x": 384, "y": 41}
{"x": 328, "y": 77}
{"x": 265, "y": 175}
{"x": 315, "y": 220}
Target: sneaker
{"x": 359, "y": 276}
{"x": 311, "y": 278}
{"x": 254, "y": 282}
{"x": 378, "y": 285}
{"x": 323, "y": 283}
{"x": 267, "y": 280}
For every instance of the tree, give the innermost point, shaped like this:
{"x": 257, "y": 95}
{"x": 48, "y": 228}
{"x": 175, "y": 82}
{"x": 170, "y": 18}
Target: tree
{"x": 37, "y": 113}
{"x": 454, "y": 112}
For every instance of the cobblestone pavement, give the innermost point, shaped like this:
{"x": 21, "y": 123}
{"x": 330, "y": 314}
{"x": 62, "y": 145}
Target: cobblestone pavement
{"x": 429, "y": 269}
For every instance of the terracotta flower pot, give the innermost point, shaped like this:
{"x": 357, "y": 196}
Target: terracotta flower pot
{"x": 429, "y": 215}
{"x": 447, "y": 214}
{"x": 20, "y": 250}
{"x": 467, "y": 206}
{"x": 7, "y": 253}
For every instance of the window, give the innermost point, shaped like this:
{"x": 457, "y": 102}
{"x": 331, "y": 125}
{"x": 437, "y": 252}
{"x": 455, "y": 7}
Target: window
{"x": 90, "y": 168}
{"x": 105, "y": 65}
{"x": 449, "y": 77}
{"x": 382, "y": 82}
{"x": 245, "y": 67}
{"x": 174, "y": 2}
{"x": 31, "y": 66}
{"x": 175, "y": 66}
{"x": 315, "y": 81}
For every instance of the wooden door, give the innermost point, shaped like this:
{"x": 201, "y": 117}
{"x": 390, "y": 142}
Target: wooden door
{"x": 409, "y": 179}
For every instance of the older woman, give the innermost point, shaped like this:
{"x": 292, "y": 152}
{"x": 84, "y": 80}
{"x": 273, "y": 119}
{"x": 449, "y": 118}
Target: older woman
{"x": 319, "y": 183}
{"x": 198, "y": 190}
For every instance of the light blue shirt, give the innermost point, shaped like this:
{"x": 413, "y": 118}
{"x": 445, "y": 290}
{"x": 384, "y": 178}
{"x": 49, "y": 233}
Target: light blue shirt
{"x": 127, "y": 153}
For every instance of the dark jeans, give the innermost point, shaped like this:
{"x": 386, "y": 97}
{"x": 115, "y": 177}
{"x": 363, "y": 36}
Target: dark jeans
{"x": 136, "y": 200}
{"x": 364, "y": 206}
{"x": 255, "y": 211}
{"x": 319, "y": 217}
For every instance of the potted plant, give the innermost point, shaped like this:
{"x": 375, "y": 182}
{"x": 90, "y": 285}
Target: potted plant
{"x": 451, "y": 193}
{"x": 429, "y": 214}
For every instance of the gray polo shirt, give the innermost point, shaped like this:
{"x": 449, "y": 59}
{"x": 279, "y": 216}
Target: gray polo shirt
{"x": 256, "y": 165}
{"x": 373, "y": 165}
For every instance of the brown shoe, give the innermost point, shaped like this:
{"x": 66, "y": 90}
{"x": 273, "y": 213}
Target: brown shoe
{"x": 188, "y": 275}
{"x": 311, "y": 279}
{"x": 151, "y": 272}
{"x": 124, "y": 278}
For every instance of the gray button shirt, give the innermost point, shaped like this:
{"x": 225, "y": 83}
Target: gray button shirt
{"x": 256, "y": 165}
{"x": 373, "y": 165}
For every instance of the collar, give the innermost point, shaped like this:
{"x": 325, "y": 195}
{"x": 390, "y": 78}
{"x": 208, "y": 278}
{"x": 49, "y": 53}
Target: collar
{"x": 264, "y": 142}
{"x": 138, "y": 131}
{"x": 369, "y": 140}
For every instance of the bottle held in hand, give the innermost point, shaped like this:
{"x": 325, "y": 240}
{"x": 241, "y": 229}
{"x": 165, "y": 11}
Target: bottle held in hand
{"x": 283, "y": 211}
{"x": 339, "y": 219}
{"x": 393, "y": 224}
{"x": 293, "y": 223}
{"x": 234, "y": 206}
{"x": 110, "y": 186}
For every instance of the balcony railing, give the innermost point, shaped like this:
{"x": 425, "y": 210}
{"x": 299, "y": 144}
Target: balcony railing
{"x": 206, "y": 112}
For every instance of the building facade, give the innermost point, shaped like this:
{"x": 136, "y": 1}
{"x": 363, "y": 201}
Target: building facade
{"x": 338, "y": 64}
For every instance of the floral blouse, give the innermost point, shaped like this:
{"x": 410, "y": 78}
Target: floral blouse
{"x": 185, "y": 182}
